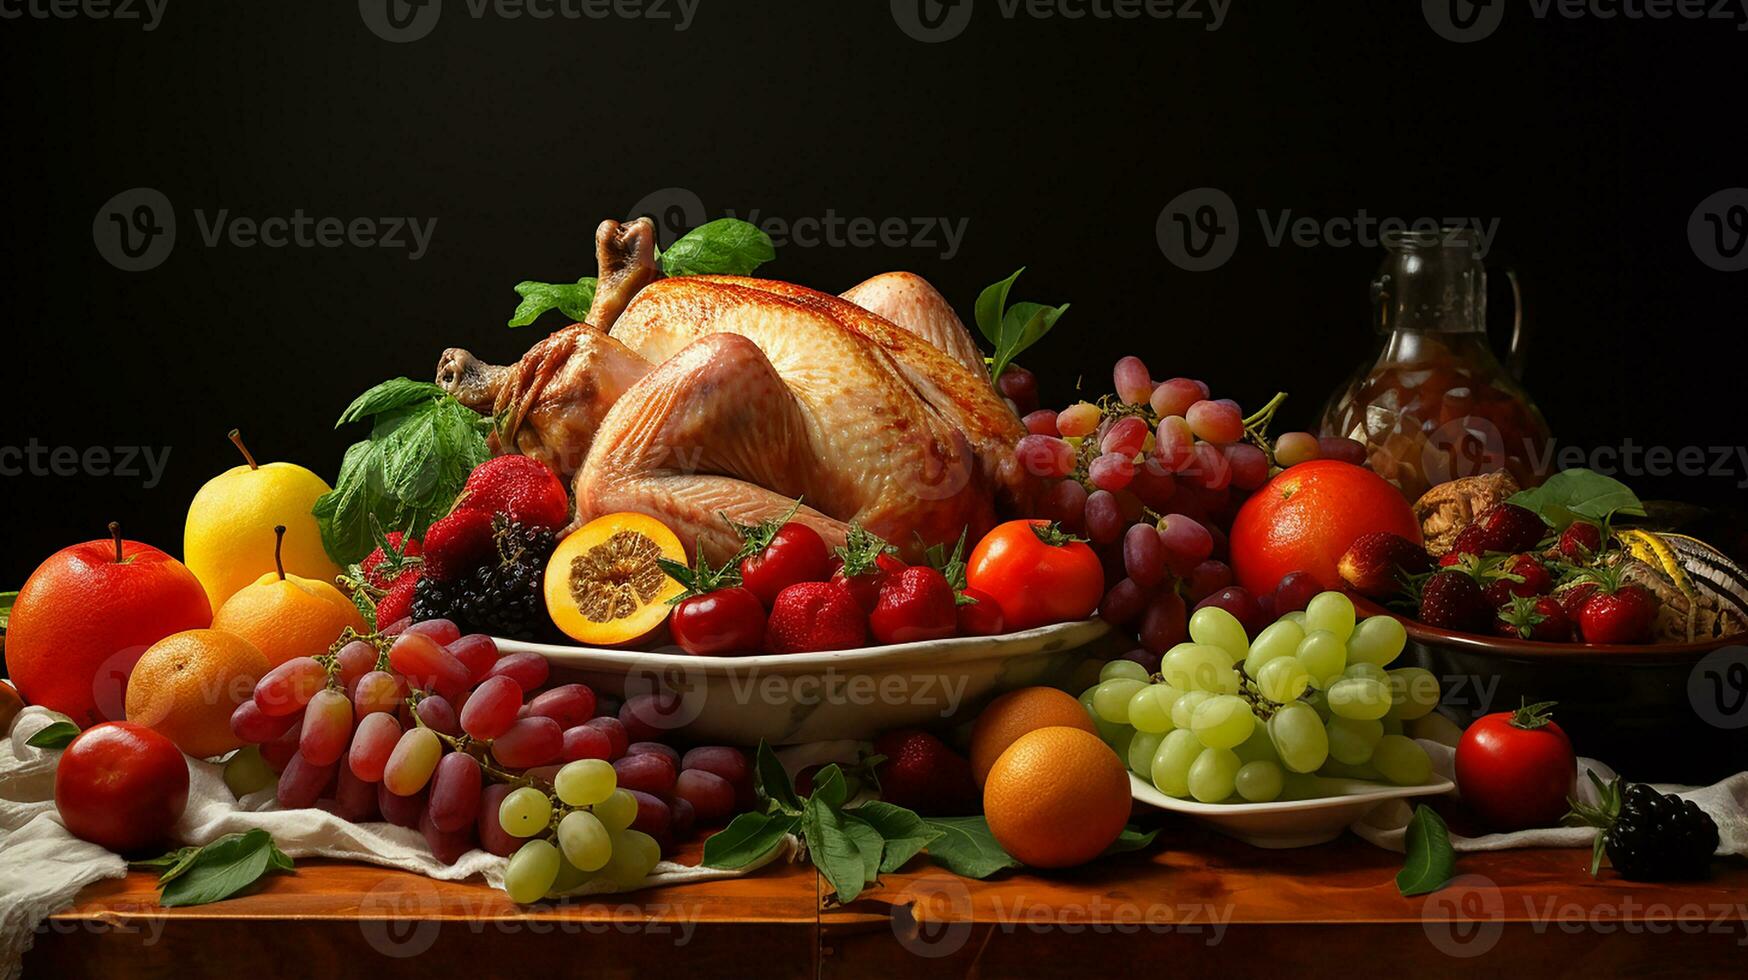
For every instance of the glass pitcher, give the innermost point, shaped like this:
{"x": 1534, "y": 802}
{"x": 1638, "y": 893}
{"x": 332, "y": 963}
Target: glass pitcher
{"x": 1436, "y": 404}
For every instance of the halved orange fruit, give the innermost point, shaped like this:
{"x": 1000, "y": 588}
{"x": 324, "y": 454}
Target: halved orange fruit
{"x": 603, "y": 586}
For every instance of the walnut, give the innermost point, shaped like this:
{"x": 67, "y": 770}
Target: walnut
{"x": 1449, "y": 507}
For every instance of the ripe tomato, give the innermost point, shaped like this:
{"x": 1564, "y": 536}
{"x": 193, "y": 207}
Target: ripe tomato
{"x": 980, "y": 618}
{"x": 720, "y": 623}
{"x": 122, "y": 786}
{"x": 1036, "y": 573}
{"x": 795, "y": 553}
{"x": 1515, "y": 769}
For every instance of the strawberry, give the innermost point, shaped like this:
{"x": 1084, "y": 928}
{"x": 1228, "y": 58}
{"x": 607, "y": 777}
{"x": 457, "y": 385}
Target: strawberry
{"x": 862, "y": 564}
{"x": 1523, "y": 575}
{"x": 398, "y": 603}
{"x": 919, "y": 772}
{"x": 458, "y": 544}
{"x": 1573, "y": 598}
{"x": 384, "y": 566}
{"x": 1580, "y": 541}
{"x": 1452, "y": 600}
{"x": 915, "y": 604}
{"x": 1471, "y": 540}
{"x": 1451, "y": 558}
{"x": 1617, "y": 612}
{"x": 522, "y": 487}
{"x": 811, "y": 616}
{"x": 1538, "y": 618}
{"x": 1509, "y": 528}
{"x": 1376, "y": 563}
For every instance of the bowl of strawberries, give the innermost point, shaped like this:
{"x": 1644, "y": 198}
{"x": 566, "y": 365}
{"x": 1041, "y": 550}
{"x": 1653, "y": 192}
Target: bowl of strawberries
{"x": 1566, "y": 592}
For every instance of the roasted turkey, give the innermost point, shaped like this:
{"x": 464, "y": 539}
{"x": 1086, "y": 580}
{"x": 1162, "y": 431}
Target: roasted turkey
{"x": 702, "y": 398}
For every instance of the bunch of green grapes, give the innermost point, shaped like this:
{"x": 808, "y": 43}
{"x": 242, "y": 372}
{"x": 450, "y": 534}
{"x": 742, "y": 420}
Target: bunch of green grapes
{"x": 1230, "y": 720}
{"x": 580, "y": 832}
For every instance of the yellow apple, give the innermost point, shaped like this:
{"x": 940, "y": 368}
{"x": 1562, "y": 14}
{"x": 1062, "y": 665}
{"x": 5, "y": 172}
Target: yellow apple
{"x": 229, "y": 540}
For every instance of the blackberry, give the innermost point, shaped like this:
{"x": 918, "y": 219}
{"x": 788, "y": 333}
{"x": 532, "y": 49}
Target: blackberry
{"x": 502, "y": 599}
{"x": 1648, "y": 836}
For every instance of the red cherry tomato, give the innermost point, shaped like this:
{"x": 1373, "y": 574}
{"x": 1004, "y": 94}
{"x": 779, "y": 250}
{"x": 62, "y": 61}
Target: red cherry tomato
{"x": 866, "y": 586}
{"x": 1037, "y": 574}
{"x": 980, "y": 618}
{"x": 122, "y": 786}
{"x": 720, "y": 623}
{"x": 796, "y": 554}
{"x": 1515, "y": 769}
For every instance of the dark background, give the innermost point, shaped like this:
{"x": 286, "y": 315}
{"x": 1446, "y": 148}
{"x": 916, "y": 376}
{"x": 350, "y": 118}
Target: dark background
{"x": 1059, "y": 142}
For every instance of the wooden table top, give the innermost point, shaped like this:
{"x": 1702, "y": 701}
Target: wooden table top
{"x": 1196, "y": 900}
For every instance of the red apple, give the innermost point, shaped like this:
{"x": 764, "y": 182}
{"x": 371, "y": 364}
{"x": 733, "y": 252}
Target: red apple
{"x": 122, "y": 785}
{"x": 87, "y": 614}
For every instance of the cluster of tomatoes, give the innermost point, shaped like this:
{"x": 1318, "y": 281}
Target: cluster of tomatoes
{"x": 787, "y": 592}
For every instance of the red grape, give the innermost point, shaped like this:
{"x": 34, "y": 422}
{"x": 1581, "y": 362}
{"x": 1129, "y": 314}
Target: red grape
{"x": 1125, "y": 437}
{"x": 1079, "y": 419}
{"x": 614, "y": 729}
{"x": 372, "y": 744}
{"x": 455, "y": 792}
{"x": 439, "y": 716}
{"x": 655, "y": 748}
{"x": 529, "y": 742}
{"x": 378, "y": 691}
{"x": 1104, "y": 519}
{"x": 1125, "y": 601}
{"x": 1238, "y": 601}
{"x": 354, "y": 660}
{"x": 1207, "y": 578}
{"x": 1215, "y": 421}
{"x": 354, "y": 799}
{"x": 1148, "y": 660}
{"x": 569, "y": 705}
{"x": 493, "y": 838}
{"x": 1020, "y": 386}
{"x": 1144, "y": 556}
{"x": 477, "y": 652}
{"x": 1132, "y": 381}
{"x": 279, "y": 751}
{"x": 288, "y": 687}
{"x": 685, "y": 816}
{"x": 1112, "y": 471}
{"x": 1293, "y": 448}
{"x": 1065, "y": 503}
{"x": 711, "y": 796}
{"x": 585, "y": 742}
{"x": 1210, "y": 468}
{"x": 1346, "y": 450}
{"x": 649, "y": 773}
{"x": 1165, "y": 623}
{"x": 1294, "y": 592}
{"x": 1175, "y": 397}
{"x": 426, "y": 665}
{"x": 1187, "y": 543}
{"x": 410, "y": 765}
{"x": 1249, "y": 465}
{"x": 1044, "y": 455}
{"x": 402, "y": 811}
{"x": 1153, "y": 485}
{"x": 251, "y": 724}
{"x": 653, "y": 815}
{"x": 1174, "y": 445}
{"x": 491, "y": 708}
{"x": 528, "y": 670}
{"x": 327, "y": 727}
{"x": 1041, "y": 423}
{"x": 441, "y": 630}
{"x": 725, "y": 761}
{"x": 446, "y": 846}
{"x": 302, "y": 782}
{"x": 647, "y": 717}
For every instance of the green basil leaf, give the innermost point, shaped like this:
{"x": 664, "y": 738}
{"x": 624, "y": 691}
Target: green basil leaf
{"x": 1132, "y": 839}
{"x": 1579, "y": 494}
{"x": 747, "y": 839}
{"x": 829, "y": 786}
{"x": 1022, "y": 326}
{"x": 223, "y": 868}
{"x": 774, "y": 780}
{"x": 868, "y": 842}
{"x": 572, "y": 299}
{"x": 834, "y": 852}
{"x": 1430, "y": 862}
{"x": 967, "y": 848}
{"x": 724, "y": 247}
{"x": 6, "y": 601}
{"x": 990, "y": 304}
{"x": 56, "y": 735}
{"x": 164, "y": 863}
{"x": 388, "y": 396}
{"x": 905, "y": 833}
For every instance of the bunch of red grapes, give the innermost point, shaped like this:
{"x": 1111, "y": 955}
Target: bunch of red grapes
{"x": 436, "y": 731}
{"x": 1152, "y": 475}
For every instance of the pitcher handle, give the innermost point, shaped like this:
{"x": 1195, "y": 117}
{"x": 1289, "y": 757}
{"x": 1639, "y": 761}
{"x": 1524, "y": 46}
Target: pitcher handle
{"x": 1515, "y": 354}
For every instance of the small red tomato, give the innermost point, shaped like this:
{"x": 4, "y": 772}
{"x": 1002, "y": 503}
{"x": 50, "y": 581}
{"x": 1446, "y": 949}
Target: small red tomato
{"x": 1037, "y": 573}
{"x": 865, "y": 586}
{"x": 1515, "y": 769}
{"x": 720, "y": 623}
{"x": 122, "y": 786}
{"x": 915, "y": 604}
{"x": 795, "y": 553}
{"x": 981, "y": 617}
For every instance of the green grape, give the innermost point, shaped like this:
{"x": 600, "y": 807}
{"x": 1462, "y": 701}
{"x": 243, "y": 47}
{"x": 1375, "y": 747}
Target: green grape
{"x": 1213, "y": 775}
{"x": 1260, "y": 781}
{"x": 1299, "y": 737}
{"x": 1123, "y": 670}
{"x": 1223, "y": 721}
{"x": 585, "y": 840}
{"x": 1413, "y": 693}
{"x": 1184, "y": 708}
{"x": 1258, "y": 747}
{"x": 570, "y": 877}
{"x": 1120, "y": 744}
{"x": 585, "y": 782}
{"x": 1141, "y": 750}
{"x": 617, "y": 811}
{"x": 1319, "y": 702}
{"x": 1199, "y": 667}
{"x": 1359, "y": 698}
{"x": 531, "y": 872}
{"x": 1297, "y": 618}
{"x": 1377, "y": 640}
{"x": 1213, "y": 626}
{"x": 1111, "y": 699}
{"x": 1171, "y": 764}
{"x": 1362, "y": 670}
{"x": 634, "y": 856}
{"x": 1108, "y": 731}
{"x": 1351, "y": 740}
{"x": 1395, "y": 726}
{"x": 1282, "y": 679}
{"x": 1330, "y": 611}
{"x": 1279, "y": 640}
{"x": 1341, "y": 770}
{"x": 524, "y": 813}
{"x": 1324, "y": 656}
{"x": 1400, "y": 760}
{"x": 247, "y": 772}
{"x": 1150, "y": 708}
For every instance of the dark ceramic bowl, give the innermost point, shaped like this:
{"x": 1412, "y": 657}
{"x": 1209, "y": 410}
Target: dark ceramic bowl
{"x": 1656, "y": 713}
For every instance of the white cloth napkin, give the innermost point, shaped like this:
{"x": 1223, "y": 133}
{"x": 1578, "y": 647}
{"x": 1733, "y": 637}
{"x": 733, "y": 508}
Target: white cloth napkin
{"x": 43, "y": 866}
{"x": 1726, "y": 802}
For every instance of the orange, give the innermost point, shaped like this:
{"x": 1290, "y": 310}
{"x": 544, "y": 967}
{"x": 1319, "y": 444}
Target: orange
{"x": 1305, "y": 519}
{"x": 1057, "y": 797}
{"x": 289, "y": 617}
{"x": 187, "y": 684}
{"x": 603, "y": 586}
{"x": 1016, "y": 713}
